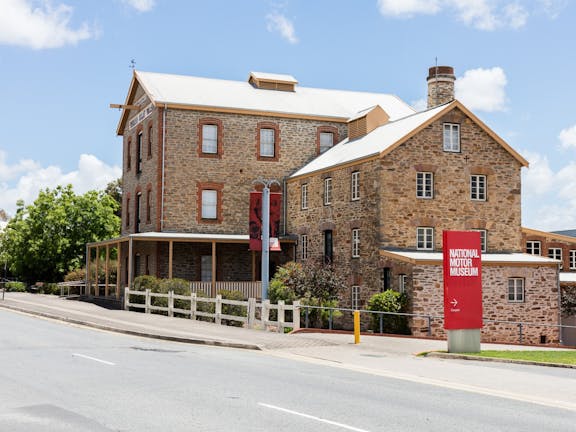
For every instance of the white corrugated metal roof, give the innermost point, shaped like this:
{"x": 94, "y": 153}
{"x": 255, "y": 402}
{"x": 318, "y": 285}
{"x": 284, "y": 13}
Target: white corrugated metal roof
{"x": 567, "y": 277}
{"x": 209, "y": 92}
{"x": 369, "y": 145}
{"x": 504, "y": 258}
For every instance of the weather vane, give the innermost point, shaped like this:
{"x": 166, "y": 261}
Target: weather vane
{"x": 132, "y": 64}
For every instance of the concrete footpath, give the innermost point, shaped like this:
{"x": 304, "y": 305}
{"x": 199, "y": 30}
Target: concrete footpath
{"x": 393, "y": 357}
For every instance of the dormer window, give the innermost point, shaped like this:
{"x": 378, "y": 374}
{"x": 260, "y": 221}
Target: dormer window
{"x": 268, "y": 81}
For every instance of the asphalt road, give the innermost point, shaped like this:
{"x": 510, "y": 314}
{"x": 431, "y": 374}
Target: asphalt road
{"x": 57, "y": 377}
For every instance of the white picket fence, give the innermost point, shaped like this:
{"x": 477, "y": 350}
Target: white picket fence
{"x": 249, "y": 289}
{"x": 256, "y": 314}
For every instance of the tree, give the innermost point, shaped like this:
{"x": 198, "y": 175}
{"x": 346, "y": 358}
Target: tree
{"x": 114, "y": 190}
{"x": 47, "y": 239}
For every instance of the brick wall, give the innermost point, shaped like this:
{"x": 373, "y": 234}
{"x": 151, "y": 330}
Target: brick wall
{"x": 550, "y": 241}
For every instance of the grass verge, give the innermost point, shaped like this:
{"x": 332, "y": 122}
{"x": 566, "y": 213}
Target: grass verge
{"x": 562, "y": 357}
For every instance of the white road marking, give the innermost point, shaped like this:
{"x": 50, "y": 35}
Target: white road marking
{"x": 94, "y": 359}
{"x": 311, "y": 417}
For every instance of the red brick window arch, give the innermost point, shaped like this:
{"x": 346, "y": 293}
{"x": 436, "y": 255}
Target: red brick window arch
{"x": 210, "y": 137}
{"x": 267, "y": 141}
{"x": 326, "y": 138}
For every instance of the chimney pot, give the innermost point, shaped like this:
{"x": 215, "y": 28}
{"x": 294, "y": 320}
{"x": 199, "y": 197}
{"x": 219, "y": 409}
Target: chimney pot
{"x": 440, "y": 85}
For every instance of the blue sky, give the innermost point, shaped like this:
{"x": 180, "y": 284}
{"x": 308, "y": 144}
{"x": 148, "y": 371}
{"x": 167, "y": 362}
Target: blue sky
{"x": 62, "y": 62}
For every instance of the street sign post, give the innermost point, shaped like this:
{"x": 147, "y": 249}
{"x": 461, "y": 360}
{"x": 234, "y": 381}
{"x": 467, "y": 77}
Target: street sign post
{"x": 462, "y": 258}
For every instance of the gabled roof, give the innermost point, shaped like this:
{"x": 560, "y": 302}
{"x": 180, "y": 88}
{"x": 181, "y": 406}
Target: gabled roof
{"x": 569, "y": 233}
{"x": 386, "y": 138}
{"x": 189, "y": 92}
{"x": 555, "y": 235}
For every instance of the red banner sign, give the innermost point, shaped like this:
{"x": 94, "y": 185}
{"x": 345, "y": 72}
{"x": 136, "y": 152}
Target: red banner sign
{"x": 255, "y": 229}
{"x": 462, "y": 255}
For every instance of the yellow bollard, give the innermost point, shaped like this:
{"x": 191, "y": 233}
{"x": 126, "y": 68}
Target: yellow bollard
{"x": 356, "y": 327}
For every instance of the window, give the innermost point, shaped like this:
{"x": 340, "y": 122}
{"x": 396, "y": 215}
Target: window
{"x": 478, "y": 187}
{"x": 385, "y": 279}
{"x": 451, "y": 137}
{"x": 129, "y": 155}
{"x": 533, "y": 248}
{"x": 304, "y": 243}
{"x": 304, "y": 196}
{"x": 267, "y": 141}
{"x": 355, "y": 297}
{"x": 573, "y": 260}
{"x": 424, "y": 185}
{"x": 555, "y": 253}
{"x": 425, "y": 238}
{"x": 206, "y": 268}
{"x": 150, "y": 130}
{"x": 209, "y": 204}
{"x": 139, "y": 153}
{"x": 328, "y": 247}
{"x": 147, "y": 265}
{"x": 483, "y": 239}
{"x": 326, "y": 141}
{"x": 137, "y": 212}
{"x": 402, "y": 283}
{"x": 516, "y": 290}
{"x": 127, "y": 212}
{"x": 328, "y": 191}
{"x": 355, "y": 243}
{"x": 355, "y": 186}
{"x": 209, "y": 139}
{"x": 148, "y": 205}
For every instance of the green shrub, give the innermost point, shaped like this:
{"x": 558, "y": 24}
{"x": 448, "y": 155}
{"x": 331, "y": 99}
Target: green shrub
{"x": 15, "y": 287}
{"x": 233, "y": 309}
{"x": 75, "y": 275}
{"x": 389, "y": 301}
{"x": 50, "y": 288}
{"x": 179, "y": 287}
{"x": 142, "y": 283}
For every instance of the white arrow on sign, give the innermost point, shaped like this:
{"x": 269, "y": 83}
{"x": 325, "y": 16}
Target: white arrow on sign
{"x": 454, "y": 302}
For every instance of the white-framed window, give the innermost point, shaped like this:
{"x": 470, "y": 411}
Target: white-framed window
{"x": 206, "y": 268}
{"x": 304, "y": 196}
{"x": 478, "y": 187}
{"x": 355, "y": 243}
{"x": 328, "y": 191}
{"x": 267, "y": 137}
{"x": 209, "y": 204}
{"x": 516, "y": 290}
{"x": 355, "y": 186}
{"x": 451, "y": 137}
{"x": 355, "y": 297}
{"x": 572, "y": 260}
{"x": 210, "y": 138}
{"x": 555, "y": 253}
{"x": 402, "y": 283}
{"x": 424, "y": 185}
{"x": 425, "y": 238}
{"x": 326, "y": 141}
{"x": 304, "y": 246}
{"x": 533, "y": 247}
{"x": 483, "y": 239}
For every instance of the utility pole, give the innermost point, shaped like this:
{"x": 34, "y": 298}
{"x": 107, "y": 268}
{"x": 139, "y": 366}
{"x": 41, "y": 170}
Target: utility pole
{"x": 265, "y": 233}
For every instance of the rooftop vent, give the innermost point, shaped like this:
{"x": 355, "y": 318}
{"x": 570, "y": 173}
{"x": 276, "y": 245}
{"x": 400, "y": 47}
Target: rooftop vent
{"x": 366, "y": 121}
{"x": 268, "y": 81}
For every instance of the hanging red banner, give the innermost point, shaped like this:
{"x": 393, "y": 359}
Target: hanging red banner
{"x": 462, "y": 280}
{"x": 255, "y": 220}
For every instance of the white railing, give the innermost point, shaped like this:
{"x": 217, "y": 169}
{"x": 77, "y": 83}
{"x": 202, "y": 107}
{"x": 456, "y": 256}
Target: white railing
{"x": 253, "y": 314}
{"x": 249, "y": 289}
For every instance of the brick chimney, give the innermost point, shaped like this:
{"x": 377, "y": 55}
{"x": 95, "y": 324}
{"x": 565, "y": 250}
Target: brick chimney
{"x": 440, "y": 85}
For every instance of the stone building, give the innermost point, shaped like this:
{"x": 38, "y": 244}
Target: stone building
{"x": 377, "y": 203}
{"x": 367, "y": 184}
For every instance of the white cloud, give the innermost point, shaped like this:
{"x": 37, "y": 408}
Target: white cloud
{"x": 568, "y": 137}
{"x": 548, "y": 198}
{"x": 408, "y": 8}
{"x": 482, "y": 89}
{"x": 420, "y": 104}
{"x": 91, "y": 174}
{"x": 140, "y": 5}
{"x": 276, "y": 22}
{"x": 487, "y": 15}
{"x": 44, "y": 26}
{"x": 552, "y": 8}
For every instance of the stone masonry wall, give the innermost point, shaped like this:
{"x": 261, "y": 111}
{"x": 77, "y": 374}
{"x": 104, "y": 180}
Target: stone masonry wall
{"x": 451, "y": 207}
{"x": 341, "y": 217}
{"x": 540, "y": 305}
